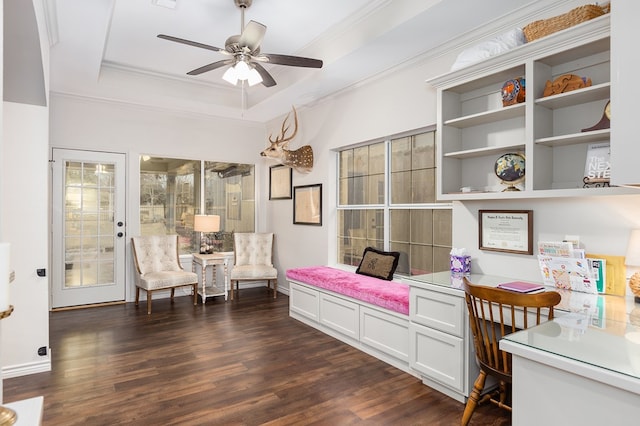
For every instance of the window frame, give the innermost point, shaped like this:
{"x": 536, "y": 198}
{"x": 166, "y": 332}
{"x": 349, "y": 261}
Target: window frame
{"x": 387, "y": 206}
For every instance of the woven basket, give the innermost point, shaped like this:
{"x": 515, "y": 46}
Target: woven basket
{"x": 544, "y": 27}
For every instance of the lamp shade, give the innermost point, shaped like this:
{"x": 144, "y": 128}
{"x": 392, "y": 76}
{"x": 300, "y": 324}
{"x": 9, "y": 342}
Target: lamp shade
{"x": 632, "y": 257}
{"x": 206, "y": 223}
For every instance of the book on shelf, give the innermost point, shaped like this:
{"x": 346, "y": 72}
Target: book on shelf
{"x": 522, "y": 287}
{"x": 597, "y": 168}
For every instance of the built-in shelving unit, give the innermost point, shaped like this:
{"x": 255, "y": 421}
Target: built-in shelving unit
{"x": 474, "y": 129}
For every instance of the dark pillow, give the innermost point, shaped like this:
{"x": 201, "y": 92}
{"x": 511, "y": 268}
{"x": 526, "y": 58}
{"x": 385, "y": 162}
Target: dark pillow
{"x": 378, "y": 263}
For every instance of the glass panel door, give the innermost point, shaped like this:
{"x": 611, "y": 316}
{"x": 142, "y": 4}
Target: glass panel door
{"x": 88, "y": 229}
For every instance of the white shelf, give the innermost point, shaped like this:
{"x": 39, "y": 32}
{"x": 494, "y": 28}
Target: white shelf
{"x": 575, "y": 138}
{"x": 492, "y": 116}
{"x": 481, "y": 152}
{"x": 580, "y": 96}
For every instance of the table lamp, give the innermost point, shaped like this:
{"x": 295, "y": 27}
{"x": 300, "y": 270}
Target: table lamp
{"x": 633, "y": 259}
{"x": 206, "y": 224}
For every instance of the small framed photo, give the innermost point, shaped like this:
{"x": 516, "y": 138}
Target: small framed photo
{"x": 280, "y": 178}
{"x": 509, "y": 231}
{"x": 307, "y": 205}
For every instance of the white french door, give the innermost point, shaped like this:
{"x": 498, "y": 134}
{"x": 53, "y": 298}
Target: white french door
{"x": 88, "y": 253}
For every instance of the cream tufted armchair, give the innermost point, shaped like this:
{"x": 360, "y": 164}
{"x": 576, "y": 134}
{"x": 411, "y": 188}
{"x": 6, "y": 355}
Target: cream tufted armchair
{"x": 158, "y": 267}
{"x": 253, "y": 260}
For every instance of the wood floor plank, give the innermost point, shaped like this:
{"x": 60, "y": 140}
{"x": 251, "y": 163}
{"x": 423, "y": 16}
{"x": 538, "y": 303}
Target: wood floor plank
{"x": 242, "y": 362}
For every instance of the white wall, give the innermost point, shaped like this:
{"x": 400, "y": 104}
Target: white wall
{"x": 78, "y": 123}
{"x": 24, "y": 225}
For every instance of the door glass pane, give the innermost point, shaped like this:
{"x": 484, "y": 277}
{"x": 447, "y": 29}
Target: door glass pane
{"x": 89, "y": 207}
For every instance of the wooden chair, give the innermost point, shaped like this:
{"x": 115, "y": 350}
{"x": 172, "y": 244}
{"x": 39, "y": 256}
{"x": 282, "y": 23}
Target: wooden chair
{"x": 158, "y": 267}
{"x": 253, "y": 253}
{"x": 494, "y": 313}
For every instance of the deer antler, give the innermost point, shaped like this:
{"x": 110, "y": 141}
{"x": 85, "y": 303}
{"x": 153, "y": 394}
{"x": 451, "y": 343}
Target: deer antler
{"x": 282, "y": 139}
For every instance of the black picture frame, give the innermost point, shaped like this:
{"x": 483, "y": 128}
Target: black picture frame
{"x": 280, "y": 182}
{"x": 307, "y": 205}
{"x": 507, "y": 231}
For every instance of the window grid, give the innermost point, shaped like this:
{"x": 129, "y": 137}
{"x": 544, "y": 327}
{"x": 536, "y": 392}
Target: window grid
{"x": 401, "y": 212}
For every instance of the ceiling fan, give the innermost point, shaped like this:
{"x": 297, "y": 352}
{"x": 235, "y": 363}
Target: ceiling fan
{"x": 244, "y": 55}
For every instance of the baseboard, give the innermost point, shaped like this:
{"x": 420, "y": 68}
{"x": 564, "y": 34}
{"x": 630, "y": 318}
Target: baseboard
{"x": 26, "y": 369}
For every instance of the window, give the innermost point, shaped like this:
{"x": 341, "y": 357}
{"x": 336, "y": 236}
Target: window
{"x": 173, "y": 191}
{"x": 386, "y": 199}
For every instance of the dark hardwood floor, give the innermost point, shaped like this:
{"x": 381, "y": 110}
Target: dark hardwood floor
{"x": 243, "y": 362}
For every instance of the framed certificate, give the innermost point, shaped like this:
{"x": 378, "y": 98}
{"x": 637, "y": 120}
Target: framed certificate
{"x": 509, "y": 231}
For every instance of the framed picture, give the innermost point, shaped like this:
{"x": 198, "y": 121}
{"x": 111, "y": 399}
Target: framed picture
{"x": 307, "y": 205}
{"x": 509, "y": 231}
{"x": 280, "y": 182}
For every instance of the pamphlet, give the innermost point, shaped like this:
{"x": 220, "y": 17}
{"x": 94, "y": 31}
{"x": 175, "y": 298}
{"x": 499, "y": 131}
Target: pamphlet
{"x": 567, "y": 273}
{"x": 599, "y": 272}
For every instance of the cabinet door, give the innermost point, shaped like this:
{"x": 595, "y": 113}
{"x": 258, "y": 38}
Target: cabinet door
{"x": 437, "y": 310}
{"x": 387, "y": 333}
{"x": 303, "y": 301}
{"x": 438, "y": 356}
{"x": 340, "y": 315}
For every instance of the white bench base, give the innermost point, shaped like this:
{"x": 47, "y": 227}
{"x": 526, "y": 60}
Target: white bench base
{"x": 378, "y": 332}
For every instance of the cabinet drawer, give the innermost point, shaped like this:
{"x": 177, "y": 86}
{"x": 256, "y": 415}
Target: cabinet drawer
{"x": 384, "y": 332}
{"x": 440, "y": 311}
{"x": 304, "y": 301}
{"x": 340, "y": 315}
{"x": 438, "y": 356}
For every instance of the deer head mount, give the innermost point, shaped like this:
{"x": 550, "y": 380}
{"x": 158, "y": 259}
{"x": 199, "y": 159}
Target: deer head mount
{"x": 300, "y": 159}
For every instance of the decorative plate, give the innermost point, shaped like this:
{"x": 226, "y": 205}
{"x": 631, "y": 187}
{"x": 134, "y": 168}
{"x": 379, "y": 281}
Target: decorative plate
{"x": 513, "y": 92}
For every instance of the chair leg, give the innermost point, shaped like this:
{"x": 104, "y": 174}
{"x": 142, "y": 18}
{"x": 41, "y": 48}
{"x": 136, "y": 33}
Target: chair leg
{"x": 478, "y": 386}
{"x": 149, "y": 302}
{"x": 275, "y": 288}
{"x": 195, "y": 294}
{"x": 173, "y": 291}
{"x": 231, "y": 290}
{"x": 137, "y": 295}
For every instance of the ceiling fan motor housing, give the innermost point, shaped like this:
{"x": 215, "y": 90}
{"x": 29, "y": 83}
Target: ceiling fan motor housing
{"x": 243, "y": 3}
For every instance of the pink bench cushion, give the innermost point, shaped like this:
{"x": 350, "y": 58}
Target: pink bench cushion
{"x": 390, "y": 295}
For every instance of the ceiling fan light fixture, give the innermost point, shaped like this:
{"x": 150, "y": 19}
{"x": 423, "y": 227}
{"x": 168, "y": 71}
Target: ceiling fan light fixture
{"x": 254, "y": 77}
{"x": 231, "y": 76}
{"x": 242, "y": 70}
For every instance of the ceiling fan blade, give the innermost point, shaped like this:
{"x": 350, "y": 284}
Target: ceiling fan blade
{"x": 210, "y": 67}
{"x": 294, "y": 61}
{"x": 189, "y": 42}
{"x": 267, "y": 80}
{"x": 252, "y": 35}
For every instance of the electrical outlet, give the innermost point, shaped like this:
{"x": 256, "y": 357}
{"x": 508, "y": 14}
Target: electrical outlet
{"x": 41, "y": 272}
{"x": 42, "y": 351}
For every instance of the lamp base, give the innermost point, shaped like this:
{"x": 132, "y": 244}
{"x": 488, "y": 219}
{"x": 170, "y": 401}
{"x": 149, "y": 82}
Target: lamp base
{"x": 634, "y": 285}
{"x": 7, "y": 416}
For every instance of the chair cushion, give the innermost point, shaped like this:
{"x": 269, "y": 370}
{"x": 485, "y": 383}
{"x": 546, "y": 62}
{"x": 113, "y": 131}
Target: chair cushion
{"x": 258, "y": 272}
{"x": 157, "y": 253}
{"x": 166, "y": 279}
{"x": 253, "y": 248}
